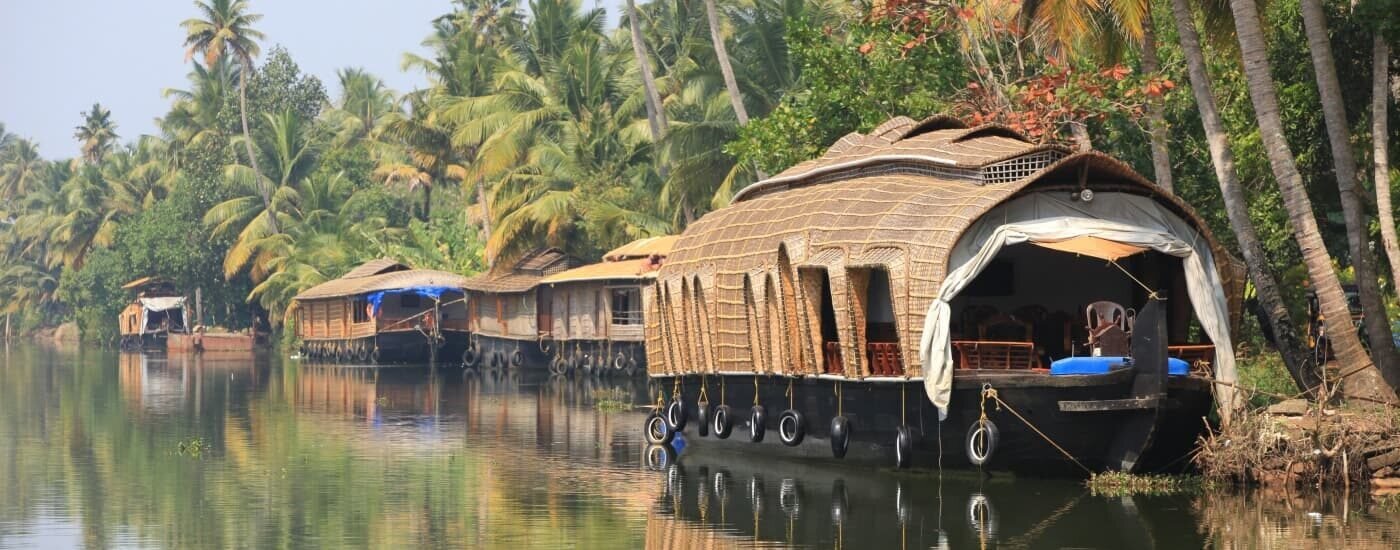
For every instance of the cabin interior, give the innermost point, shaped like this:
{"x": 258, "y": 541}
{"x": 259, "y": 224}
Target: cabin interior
{"x": 1029, "y": 307}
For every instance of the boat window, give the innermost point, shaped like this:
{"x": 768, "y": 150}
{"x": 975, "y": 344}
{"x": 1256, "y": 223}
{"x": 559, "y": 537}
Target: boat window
{"x": 626, "y": 306}
{"x": 408, "y": 300}
{"x": 879, "y": 313}
{"x": 360, "y": 310}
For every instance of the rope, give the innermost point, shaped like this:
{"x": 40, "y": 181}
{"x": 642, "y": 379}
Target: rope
{"x": 1151, "y": 294}
{"x": 789, "y": 393}
{"x": 755, "y": 390}
{"x": 704, "y": 397}
{"x": 988, "y": 392}
{"x": 840, "y": 402}
{"x": 902, "y": 412}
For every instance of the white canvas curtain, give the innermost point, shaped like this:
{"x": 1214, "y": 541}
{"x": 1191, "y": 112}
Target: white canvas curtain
{"x": 149, "y": 305}
{"x": 1045, "y": 217}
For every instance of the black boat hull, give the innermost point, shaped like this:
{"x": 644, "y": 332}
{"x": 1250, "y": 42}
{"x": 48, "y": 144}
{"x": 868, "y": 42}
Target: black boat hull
{"x": 876, "y": 411}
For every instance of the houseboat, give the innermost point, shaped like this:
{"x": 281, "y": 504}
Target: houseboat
{"x": 594, "y": 312}
{"x": 156, "y": 312}
{"x": 504, "y": 314}
{"x": 932, "y": 294}
{"x": 383, "y": 311}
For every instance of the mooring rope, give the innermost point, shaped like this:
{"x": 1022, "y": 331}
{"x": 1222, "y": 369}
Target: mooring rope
{"x": 1151, "y": 294}
{"x": 988, "y": 392}
{"x": 789, "y": 393}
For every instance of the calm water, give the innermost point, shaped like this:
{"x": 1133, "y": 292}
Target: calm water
{"x": 102, "y": 450}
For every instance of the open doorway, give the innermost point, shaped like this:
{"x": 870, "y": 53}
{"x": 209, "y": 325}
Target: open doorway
{"x": 879, "y": 335}
{"x": 817, "y": 285}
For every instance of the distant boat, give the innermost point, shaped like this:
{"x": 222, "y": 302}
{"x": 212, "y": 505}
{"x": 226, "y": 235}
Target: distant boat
{"x": 383, "y": 311}
{"x": 936, "y": 294}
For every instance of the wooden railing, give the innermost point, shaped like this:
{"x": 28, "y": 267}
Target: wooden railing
{"x": 831, "y": 358}
{"x": 979, "y": 354}
{"x": 884, "y": 358}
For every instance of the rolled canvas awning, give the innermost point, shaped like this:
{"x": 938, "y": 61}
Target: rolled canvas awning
{"x": 1086, "y": 245}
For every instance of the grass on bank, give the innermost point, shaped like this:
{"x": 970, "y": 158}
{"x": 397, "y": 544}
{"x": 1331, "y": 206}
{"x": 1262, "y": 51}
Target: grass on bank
{"x": 1119, "y": 484}
{"x": 611, "y": 400}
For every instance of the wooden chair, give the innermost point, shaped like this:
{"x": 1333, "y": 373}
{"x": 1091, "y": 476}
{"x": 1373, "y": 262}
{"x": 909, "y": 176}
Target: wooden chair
{"x": 1002, "y": 327}
{"x": 972, "y": 317}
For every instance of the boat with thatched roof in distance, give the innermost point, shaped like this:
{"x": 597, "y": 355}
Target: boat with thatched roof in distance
{"x": 383, "y": 311}
{"x": 156, "y": 312}
{"x": 936, "y": 294}
{"x": 593, "y": 314}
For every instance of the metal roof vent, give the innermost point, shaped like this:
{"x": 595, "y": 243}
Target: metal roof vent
{"x": 1020, "y": 167}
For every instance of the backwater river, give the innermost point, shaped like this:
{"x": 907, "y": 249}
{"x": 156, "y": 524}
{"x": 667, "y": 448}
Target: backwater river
{"x": 100, "y": 449}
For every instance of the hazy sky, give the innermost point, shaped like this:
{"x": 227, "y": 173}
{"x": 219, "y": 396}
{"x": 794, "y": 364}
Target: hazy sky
{"x": 59, "y": 56}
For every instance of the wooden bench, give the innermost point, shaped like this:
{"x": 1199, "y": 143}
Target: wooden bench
{"x": 884, "y": 359}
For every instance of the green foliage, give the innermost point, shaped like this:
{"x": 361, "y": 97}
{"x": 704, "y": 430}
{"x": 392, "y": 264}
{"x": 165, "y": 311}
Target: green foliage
{"x": 1263, "y": 377}
{"x": 1120, "y": 484}
{"x": 446, "y": 243}
{"x": 275, "y": 87}
{"x": 852, "y": 79}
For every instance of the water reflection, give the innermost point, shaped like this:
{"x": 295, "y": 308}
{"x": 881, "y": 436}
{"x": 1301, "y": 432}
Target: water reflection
{"x": 308, "y": 455}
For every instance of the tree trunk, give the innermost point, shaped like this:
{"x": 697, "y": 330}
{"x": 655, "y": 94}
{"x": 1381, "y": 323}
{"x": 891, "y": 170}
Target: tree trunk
{"x": 485, "y": 210}
{"x": 1383, "y": 351}
{"x": 1080, "y": 133}
{"x": 427, "y": 202}
{"x": 1380, "y": 137}
{"x": 1346, "y": 344}
{"x": 1156, "y": 117}
{"x": 655, "y": 117}
{"x": 248, "y": 144}
{"x": 1273, "y": 312}
{"x": 725, "y": 68}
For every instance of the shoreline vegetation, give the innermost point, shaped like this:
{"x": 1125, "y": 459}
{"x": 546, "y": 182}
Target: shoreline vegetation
{"x": 540, "y": 125}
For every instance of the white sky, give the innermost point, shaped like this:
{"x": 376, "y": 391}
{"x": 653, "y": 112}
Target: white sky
{"x": 59, "y": 56}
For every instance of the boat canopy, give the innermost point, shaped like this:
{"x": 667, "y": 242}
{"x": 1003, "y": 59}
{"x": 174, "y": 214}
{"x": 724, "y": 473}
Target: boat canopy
{"x": 1109, "y": 227}
{"x": 435, "y": 292}
{"x": 172, "y": 307}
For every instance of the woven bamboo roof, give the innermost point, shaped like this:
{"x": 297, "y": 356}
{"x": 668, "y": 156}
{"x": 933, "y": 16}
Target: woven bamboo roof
{"x": 377, "y": 275}
{"x": 144, "y": 281}
{"x": 898, "y": 198}
{"x": 643, "y": 248}
{"x": 523, "y": 275}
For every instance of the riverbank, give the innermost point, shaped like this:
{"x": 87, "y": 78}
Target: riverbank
{"x": 1347, "y": 446}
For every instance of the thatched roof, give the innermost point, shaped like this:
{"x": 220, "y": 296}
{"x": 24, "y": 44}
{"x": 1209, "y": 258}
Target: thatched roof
{"x": 145, "y": 281}
{"x": 642, "y": 248}
{"x": 634, "y": 269}
{"x": 381, "y": 274}
{"x": 899, "y": 198}
{"x": 374, "y": 267}
{"x": 524, "y": 275}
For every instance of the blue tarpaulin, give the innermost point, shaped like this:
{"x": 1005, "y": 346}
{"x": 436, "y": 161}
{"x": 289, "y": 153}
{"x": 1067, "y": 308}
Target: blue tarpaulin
{"x": 434, "y": 292}
{"x": 1101, "y": 365}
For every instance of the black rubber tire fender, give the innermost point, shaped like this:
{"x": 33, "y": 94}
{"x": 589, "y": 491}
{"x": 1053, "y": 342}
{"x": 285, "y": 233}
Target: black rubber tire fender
{"x": 840, "y": 436}
{"x": 517, "y": 358}
{"x": 982, "y": 438}
{"x": 675, "y": 414}
{"x": 657, "y": 430}
{"x": 702, "y": 418}
{"x": 722, "y": 423}
{"x": 903, "y": 446}
{"x": 792, "y": 427}
{"x": 470, "y": 357}
{"x": 758, "y": 420}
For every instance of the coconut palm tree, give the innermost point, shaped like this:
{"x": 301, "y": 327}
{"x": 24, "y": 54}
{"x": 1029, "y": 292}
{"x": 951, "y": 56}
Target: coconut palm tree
{"x": 193, "y": 119}
{"x": 1259, "y": 80}
{"x": 722, "y": 55}
{"x": 429, "y": 157}
{"x": 251, "y": 217}
{"x": 97, "y": 134}
{"x": 364, "y": 102}
{"x": 88, "y": 219}
{"x": 1275, "y": 313}
{"x": 21, "y": 168}
{"x": 1380, "y": 150}
{"x": 226, "y": 31}
{"x": 1329, "y": 89}
{"x": 656, "y": 118}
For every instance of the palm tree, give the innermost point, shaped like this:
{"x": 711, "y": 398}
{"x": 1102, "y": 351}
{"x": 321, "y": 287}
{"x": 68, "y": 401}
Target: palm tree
{"x": 21, "y": 168}
{"x": 430, "y": 156}
{"x": 725, "y": 68}
{"x": 252, "y": 215}
{"x": 655, "y": 116}
{"x": 1380, "y": 132}
{"x": 87, "y": 220}
{"x": 1259, "y": 80}
{"x": 193, "y": 119}
{"x": 1275, "y": 313}
{"x": 364, "y": 101}
{"x": 1329, "y": 89}
{"x": 97, "y": 134}
{"x": 226, "y": 30}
